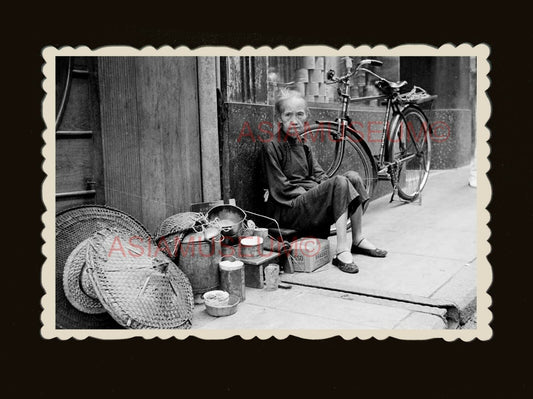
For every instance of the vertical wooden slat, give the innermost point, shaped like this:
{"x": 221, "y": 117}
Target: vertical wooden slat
{"x": 120, "y": 133}
{"x": 224, "y": 127}
{"x": 182, "y": 145}
{"x": 208, "y": 128}
{"x": 260, "y": 80}
{"x": 98, "y": 165}
{"x": 234, "y": 79}
{"x": 188, "y": 160}
{"x": 250, "y": 97}
{"x": 152, "y": 103}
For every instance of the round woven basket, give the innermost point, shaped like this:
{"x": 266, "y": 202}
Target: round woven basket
{"x": 139, "y": 286}
{"x": 72, "y": 227}
{"x": 172, "y": 230}
{"x": 178, "y": 223}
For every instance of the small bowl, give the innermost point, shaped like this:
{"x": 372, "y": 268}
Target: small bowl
{"x": 223, "y": 310}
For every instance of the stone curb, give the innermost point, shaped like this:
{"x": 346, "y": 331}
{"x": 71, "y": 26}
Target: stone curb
{"x": 461, "y": 290}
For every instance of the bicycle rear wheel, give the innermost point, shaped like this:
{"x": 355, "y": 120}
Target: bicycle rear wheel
{"x": 410, "y": 152}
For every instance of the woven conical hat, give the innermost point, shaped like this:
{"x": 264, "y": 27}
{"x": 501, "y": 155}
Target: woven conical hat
{"x": 137, "y": 284}
{"x": 78, "y": 287}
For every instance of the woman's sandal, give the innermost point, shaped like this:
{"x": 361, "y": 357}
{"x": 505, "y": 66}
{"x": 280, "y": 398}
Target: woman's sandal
{"x": 376, "y": 252}
{"x": 343, "y": 266}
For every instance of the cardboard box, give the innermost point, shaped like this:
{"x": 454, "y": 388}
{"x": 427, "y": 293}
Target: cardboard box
{"x": 308, "y": 254}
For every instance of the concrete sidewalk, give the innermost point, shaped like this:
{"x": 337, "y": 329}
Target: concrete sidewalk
{"x": 427, "y": 281}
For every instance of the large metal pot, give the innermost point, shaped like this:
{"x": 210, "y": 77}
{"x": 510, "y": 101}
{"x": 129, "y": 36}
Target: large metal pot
{"x": 230, "y": 218}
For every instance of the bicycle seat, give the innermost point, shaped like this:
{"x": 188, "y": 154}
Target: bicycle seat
{"x": 388, "y": 87}
{"x": 397, "y": 85}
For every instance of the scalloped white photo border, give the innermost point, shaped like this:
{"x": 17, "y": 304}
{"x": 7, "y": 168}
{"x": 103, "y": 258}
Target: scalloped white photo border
{"x": 483, "y": 111}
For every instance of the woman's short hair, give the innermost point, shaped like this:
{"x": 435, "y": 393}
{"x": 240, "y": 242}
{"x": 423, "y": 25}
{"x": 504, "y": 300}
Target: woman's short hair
{"x": 285, "y": 94}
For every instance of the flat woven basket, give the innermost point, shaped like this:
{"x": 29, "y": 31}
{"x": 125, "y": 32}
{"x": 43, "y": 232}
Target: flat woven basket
{"x": 72, "y": 227}
{"x": 138, "y": 285}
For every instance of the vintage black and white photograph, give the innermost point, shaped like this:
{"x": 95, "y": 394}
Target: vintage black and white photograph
{"x": 266, "y": 192}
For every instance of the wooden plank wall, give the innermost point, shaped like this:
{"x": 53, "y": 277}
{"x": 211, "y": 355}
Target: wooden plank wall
{"x": 151, "y": 140}
{"x": 78, "y": 145}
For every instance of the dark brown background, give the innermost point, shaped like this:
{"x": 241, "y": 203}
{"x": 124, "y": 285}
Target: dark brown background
{"x": 372, "y": 369}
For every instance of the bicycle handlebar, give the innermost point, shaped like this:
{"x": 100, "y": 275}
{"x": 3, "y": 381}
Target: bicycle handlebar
{"x": 351, "y": 71}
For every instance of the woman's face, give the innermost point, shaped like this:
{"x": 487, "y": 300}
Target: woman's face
{"x": 293, "y": 115}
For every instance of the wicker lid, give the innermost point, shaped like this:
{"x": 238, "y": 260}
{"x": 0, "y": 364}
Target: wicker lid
{"x": 73, "y": 226}
{"x": 76, "y": 283}
{"x": 179, "y": 223}
{"x": 138, "y": 286}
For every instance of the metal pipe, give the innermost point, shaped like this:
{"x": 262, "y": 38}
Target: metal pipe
{"x": 65, "y": 93}
{"x": 358, "y": 99}
{"x": 79, "y": 71}
{"x": 82, "y": 193}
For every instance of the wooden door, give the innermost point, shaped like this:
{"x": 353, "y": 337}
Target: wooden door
{"x": 151, "y": 138}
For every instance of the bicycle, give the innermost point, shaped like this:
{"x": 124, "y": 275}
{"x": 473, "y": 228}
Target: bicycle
{"x": 404, "y": 156}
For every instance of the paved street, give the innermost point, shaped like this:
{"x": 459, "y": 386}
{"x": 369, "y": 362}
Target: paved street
{"x": 427, "y": 281}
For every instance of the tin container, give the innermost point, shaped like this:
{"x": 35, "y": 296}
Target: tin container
{"x": 232, "y": 277}
{"x": 251, "y": 247}
{"x": 199, "y": 260}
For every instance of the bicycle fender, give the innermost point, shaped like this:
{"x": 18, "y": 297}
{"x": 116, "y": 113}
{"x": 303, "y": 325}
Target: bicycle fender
{"x": 394, "y": 122}
{"x": 423, "y": 113}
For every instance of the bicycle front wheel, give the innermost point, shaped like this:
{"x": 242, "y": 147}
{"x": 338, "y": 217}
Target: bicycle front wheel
{"x": 337, "y": 156}
{"x": 410, "y": 152}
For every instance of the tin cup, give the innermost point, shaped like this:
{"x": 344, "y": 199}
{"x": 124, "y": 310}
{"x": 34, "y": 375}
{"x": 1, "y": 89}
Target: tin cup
{"x": 272, "y": 278}
{"x": 251, "y": 247}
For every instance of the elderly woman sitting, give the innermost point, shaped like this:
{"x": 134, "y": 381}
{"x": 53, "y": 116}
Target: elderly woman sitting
{"x": 302, "y": 195}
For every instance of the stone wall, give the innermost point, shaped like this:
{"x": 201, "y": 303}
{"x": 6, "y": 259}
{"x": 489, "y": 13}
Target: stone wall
{"x": 451, "y": 118}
